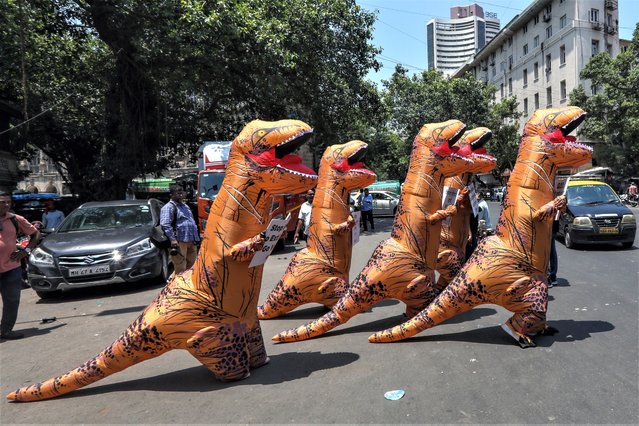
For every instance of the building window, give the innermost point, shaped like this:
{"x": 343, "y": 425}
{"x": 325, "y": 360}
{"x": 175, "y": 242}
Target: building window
{"x": 526, "y": 28}
{"x": 549, "y": 8}
{"x": 510, "y": 62}
{"x": 494, "y": 70}
{"x": 526, "y": 106}
{"x": 510, "y": 41}
{"x": 548, "y": 97}
{"x": 562, "y": 90}
{"x": 595, "y": 47}
{"x": 563, "y": 21}
{"x": 549, "y": 31}
{"x": 536, "y": 41}
{"x": 536, "y": 71}
{"x": 501, "y": 90}
{"x": 536, "y": 20}
{"x": 562, "y": 54}
{"x": 548, "y": 62}
{"x": 609, "y": 49}
{"x": 525, "y": 77}
{"x": 594, "y": 15}
{"x": 536, "y": 101}
{"x": 510, "y": 86}
{"x": 502, "y": 66}
{"x": 609, "y": 20}
{"x": 594, "y": 89}
{"x": 526, "y": 49}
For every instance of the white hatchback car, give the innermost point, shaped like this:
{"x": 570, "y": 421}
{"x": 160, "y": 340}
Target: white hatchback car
{"x": 384, "y": 202}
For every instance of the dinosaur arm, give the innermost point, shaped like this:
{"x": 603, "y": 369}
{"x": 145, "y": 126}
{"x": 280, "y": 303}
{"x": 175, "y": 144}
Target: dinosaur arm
{"x": 550, "y": 209}
{"x": 243, "y": 250}
{"x": 346, "y": 225}
{"x": 442, "y": 214}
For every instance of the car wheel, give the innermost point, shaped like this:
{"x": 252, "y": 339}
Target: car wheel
{"x": 626, "y": 245}
{"x": 48, "y": 294}
{"x": 165, "y": 270}
{"x": 568, "y": 239}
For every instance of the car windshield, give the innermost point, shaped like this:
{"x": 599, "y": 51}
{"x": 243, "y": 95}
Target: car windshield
{"x": 581, "y": 195}
{"x": 107, "y": 217}
{"x": 210, "y": 184}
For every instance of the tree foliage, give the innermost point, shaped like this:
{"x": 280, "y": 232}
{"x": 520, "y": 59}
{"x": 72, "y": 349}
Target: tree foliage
{"x": 412, "y": 101}
{"x": 613, "y": 112}
{"x": 125, "y": 80}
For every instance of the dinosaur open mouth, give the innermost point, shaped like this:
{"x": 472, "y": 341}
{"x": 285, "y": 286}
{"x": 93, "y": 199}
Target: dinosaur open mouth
{"x": 354, "y": 162}
{"x": 572, "y": 125}
{"x": 280, "y": 156}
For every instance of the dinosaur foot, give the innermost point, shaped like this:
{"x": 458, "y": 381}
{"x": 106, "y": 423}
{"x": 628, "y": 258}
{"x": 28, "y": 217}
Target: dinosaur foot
{"x": 225, "y": 380}
{"x": 548, "y": 331}
{"x": 523, "y": 340}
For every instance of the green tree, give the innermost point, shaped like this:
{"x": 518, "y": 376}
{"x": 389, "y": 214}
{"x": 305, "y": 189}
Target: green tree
{"x": 412, "y": 101}
{"x": 613, "y": 112}
{"x": 123, "y": 81}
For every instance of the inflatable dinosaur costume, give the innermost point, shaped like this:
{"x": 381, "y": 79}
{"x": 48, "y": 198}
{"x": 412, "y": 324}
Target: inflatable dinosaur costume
{"x": 319, "y": 273}
{"x": 211, "y": 310}
{"x": 455, "y": 234}
{"x": 402, "y": 266}
{"x": 509, "y": 268}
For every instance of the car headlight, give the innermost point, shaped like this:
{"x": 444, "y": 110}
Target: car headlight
{"x": 138, "y": 248}
{"x": 582, "y": 221}
{"x": 628, "y": 218}
{"x": 41, "y": 257}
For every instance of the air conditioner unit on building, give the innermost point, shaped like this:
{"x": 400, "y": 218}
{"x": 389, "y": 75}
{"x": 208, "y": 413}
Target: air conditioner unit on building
{"x": 596, "y": 25}
{"x": 547, "y": 17}
{"x": 610, "y": 29}
{"x": 611, "y": 4}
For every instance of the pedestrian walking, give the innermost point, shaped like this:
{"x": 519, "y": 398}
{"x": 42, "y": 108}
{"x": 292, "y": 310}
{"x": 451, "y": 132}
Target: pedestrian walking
{"x": 304, "y": 218}
{"x": 10, "y": 268}
{"x": 367, "y": 210}
{"x": 180, "y": 228}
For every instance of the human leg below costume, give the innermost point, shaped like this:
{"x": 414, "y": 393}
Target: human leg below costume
{"x": 10, "y": 288}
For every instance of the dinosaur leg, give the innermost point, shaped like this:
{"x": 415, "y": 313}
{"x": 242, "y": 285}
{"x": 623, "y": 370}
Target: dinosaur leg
{"x": 418, "y": 294}
{"x": 223, "y": 349}
{"x": 528, "y": 299}
{"x": 449, "y": 263}
{"x": 256, "y": 347}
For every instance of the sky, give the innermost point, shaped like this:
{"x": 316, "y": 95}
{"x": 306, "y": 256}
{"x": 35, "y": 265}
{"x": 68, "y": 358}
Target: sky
{"x": 400, "y": 29}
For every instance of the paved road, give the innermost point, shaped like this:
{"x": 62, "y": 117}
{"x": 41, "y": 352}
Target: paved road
{"x": 463, "y": 371}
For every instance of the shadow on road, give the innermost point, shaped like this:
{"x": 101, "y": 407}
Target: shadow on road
{"x": 282, "y": 368}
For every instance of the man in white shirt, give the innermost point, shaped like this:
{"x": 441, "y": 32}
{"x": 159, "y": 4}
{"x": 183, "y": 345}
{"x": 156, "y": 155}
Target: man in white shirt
{"x": 304, "y": 218}
{"x": 484, "y": 213}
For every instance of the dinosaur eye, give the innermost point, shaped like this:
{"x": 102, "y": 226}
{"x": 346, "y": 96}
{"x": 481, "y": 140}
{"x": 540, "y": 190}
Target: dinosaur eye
{"x": 551, "y": 116}
{"x": 261, "y": 133}
{"x": 438, "y": 130}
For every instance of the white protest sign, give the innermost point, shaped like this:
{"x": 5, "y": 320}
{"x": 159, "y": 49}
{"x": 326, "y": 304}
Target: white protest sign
{"x": 357, "y": 216}
{"x": 473, "y": 199}
{"x": 448, "y": 199}
{"x": 272, "y": 236}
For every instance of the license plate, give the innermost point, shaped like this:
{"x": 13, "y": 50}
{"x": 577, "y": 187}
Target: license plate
{"x": 89, "y": 270}
{"x": 608, "y": 230}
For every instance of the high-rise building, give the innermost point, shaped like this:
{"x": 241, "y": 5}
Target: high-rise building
{"x": 451, "y": 42}
{"x": 539, "y": 55}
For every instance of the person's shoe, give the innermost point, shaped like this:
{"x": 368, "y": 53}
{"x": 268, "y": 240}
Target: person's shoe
{"x": 11, "y": 335}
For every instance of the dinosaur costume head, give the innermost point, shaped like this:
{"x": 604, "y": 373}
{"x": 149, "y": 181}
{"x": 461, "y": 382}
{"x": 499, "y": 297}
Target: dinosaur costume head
{"x": 472, "y": 145}
{"x": 435, "y": 143}
{"x": 267, "y": 148}
{"x": 343, "y": 164}
{"x": 552, "y": 126}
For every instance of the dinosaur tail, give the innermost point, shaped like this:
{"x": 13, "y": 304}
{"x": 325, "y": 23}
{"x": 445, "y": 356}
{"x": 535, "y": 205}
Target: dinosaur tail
{"x": 327, "y": 322}
{"x": 441, "y": 309}
{"x": 126, "y": 351}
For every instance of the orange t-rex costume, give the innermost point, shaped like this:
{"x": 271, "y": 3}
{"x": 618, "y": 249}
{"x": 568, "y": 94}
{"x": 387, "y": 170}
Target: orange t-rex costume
{"x": 402, "y": 266}
{"x": 211, "y": 309}
{"x": 319, "y": 273}
{"x": 455, "y": 234}
{"x": 509, "y": 268}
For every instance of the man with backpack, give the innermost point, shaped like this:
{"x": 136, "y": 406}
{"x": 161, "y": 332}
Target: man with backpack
{"x": 180, "y": 228}
{"x": 10, "y": 269}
